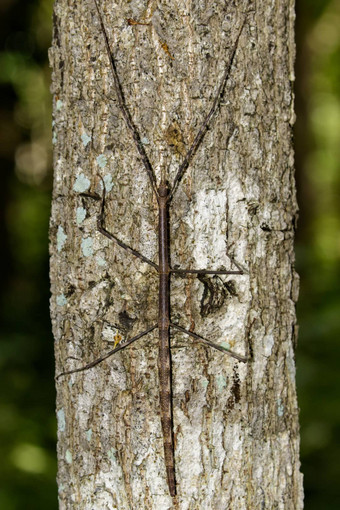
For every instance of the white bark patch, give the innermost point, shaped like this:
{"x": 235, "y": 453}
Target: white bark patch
{"x": 101, "y": 261}
{"x": 59, "y": 170}
{"x": 108, "y": 182}
{"x": 61, "y": 300}
{"x": 280, "y": 408}
{"x": 93, "y": 300}
{"x": 221, "y": 382}
{"x": 268, "y": 343}
{"x": 190, "y": 452}
{"x": 101, "y": 160}
{"x": 80, "y": 215}
{"x": 85, "y": 138}
{"x": 204, "y": 382}
{"x": 209, "y": 244}
{"x": 82, "y": 183}
{"x": 68, "y": 457}
{"x": 61, "y": 238}
{"x": 291, "y": 363}
{"x": 61, "y": 420}
{"x": 110, "y": 334}
{"x": 87, "y": 246}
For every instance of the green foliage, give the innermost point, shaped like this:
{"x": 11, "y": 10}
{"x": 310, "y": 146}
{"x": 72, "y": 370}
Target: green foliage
{"x": 27, "y": 421}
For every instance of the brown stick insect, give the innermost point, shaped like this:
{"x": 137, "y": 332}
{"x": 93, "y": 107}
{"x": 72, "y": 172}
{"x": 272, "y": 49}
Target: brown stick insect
{"x": 164, "y": 194}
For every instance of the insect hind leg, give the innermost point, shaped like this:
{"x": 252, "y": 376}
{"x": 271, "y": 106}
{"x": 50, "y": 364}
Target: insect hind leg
{"x": 203, "y": 340}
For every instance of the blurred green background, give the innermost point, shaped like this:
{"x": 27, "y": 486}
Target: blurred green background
{"x": 27, "y": 421}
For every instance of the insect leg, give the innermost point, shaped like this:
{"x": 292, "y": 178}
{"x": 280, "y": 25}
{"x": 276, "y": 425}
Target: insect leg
{"x": 111, "y": 236}
{"x": 244, "y": 359}
{"x": 110, "y": 353}
{"x": 239, "y": 271}
{"x": 102, "y": 229}
{"x": 204, "y": 271}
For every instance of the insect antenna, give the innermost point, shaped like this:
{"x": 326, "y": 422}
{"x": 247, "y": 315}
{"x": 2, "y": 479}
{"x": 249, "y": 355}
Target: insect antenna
{"x": 205, "y": 124}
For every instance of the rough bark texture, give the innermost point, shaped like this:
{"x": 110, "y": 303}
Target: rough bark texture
{"x": 236, "y": 425}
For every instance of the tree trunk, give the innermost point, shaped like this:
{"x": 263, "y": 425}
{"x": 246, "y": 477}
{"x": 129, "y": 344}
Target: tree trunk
{"x": 235, "y": 424}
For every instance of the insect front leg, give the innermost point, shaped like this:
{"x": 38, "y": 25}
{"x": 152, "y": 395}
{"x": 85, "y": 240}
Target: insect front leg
{"x": 103, "y": 230}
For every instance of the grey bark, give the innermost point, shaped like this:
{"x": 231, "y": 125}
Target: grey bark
{"x": 235, "y": 425}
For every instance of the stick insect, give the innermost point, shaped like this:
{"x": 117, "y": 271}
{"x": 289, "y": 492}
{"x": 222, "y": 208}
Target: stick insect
{"x": 164, "y": 194}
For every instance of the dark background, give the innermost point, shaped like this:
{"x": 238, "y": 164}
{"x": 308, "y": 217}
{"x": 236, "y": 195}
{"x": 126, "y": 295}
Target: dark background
{"x": 27, "y": 420}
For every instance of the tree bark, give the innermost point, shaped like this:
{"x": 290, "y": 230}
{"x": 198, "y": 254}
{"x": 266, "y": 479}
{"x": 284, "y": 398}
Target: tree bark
{"x": 235, "y": 425}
